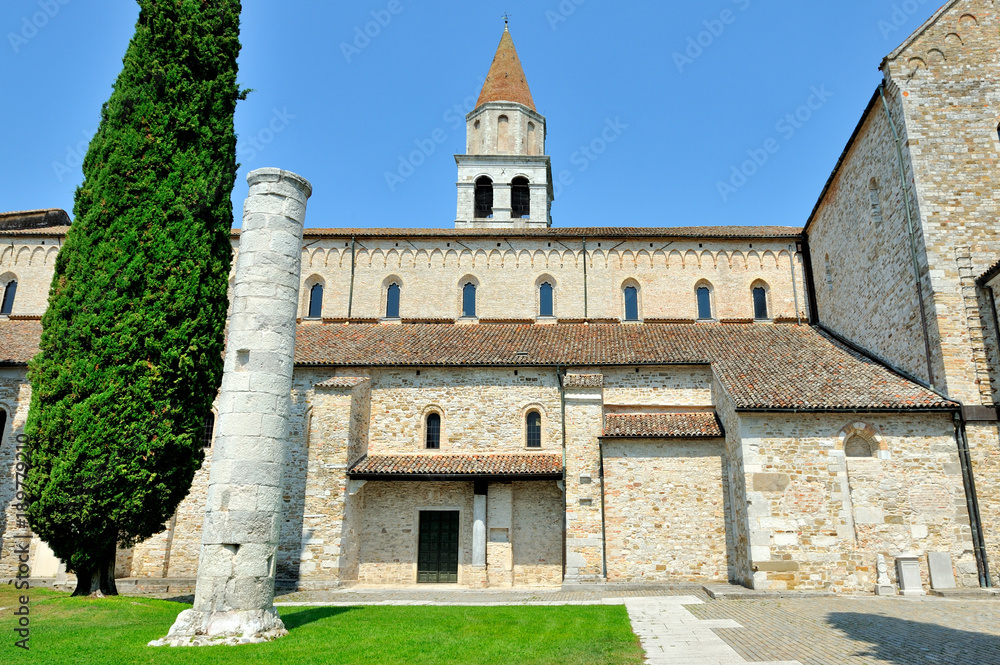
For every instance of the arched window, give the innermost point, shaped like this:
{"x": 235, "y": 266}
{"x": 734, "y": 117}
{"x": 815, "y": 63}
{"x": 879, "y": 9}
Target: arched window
{"x": 520, "y": 198}
{"x": 631, "y": 303}
{"x": 392, "y": 301}
{"x": 208, "y": 430}
{"x": 857, "y": 446}
{"x": 432, "y": 440}
{"x": 876, "y": 203}
{"x": 760, "y": 303}
{"x": 484, "y": 198}
{"x": 503, "y": 134}
{"x": 532, "y": 139}
{"x": 469, "y": 300}
{"x": 545, "y": 300}
{"x": 704, "y": 303}
{"x": 7, "y": 306}
{"x": 534, "y": 429}
{"x": 316, "y": 301}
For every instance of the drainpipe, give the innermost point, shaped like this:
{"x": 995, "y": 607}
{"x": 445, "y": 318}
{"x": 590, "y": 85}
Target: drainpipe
{"x": 972, "y": 501}
{"x": 792, "y": 253}
{"x": 604, "y": 535}
{"x": 350, "y": 296}
{"x": 562, "y": 403}
{"x": 913, "y": 239}
{"x": 585, "y": 312}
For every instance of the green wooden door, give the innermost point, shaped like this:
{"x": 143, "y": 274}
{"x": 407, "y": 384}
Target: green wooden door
{"x": 437, "y": 557}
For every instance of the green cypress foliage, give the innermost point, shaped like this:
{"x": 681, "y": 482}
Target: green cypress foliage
{"x": 132, "y": 341}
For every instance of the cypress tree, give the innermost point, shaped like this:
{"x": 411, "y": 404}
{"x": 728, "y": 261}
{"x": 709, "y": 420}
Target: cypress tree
{"x": 132, "y": 341}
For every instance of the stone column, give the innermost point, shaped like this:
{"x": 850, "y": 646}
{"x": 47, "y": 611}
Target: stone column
{"x": 479, "y": 530}
{"x": 235, "y": 590}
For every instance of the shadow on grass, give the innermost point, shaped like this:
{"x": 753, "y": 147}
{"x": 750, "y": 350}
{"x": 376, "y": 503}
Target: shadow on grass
{"x": 301, "y": 618}
{"x": 898, "y": 640}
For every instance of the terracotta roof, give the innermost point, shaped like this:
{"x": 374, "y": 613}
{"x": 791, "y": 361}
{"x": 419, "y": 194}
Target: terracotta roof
{"x": 19, "y": 341}
{"x": 760, "y": 366}
{"x": 664, "y": 426}
{"x": 30, "y": 220}
{"x": 988, "y": 276}
{"x": 343, "y": 382}
{"x": 506, "y": 81}
{"x": 538, "y": 464}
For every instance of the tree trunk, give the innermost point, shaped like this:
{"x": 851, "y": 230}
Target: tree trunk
{"x": 98, "y": 582}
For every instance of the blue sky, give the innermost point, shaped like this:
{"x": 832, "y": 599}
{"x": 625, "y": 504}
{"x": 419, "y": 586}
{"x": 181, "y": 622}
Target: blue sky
{"x": 693, "y": 88}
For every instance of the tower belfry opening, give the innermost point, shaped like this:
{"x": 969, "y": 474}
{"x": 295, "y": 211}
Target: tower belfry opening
{"x": 505, "y": 177}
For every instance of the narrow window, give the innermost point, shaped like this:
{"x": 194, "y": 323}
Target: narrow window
{"x": 520, "y": 198}
{"x": 760, "y": 303}
{"x": 545, "y": 305}
{"x": 316, "y": 301}
{"x": 503, "y": 134}
{"x": 469, "y": 300}
{"x": 874, "y": 194}
{"x": 3, "y": 425}
{"x": 392, "y": 302}
{"x": 532, "y": 139}
{"x": 704, "y": 303}
{"x": 631, "y": 303}
{"x": 857, "y": 446}
{"x": 534, "y": 430}
{"x": 8, "y": 298}
{"x": 484, "y": 198}
{"x": 433, "y": 439}
{"x": 208, "y": 430}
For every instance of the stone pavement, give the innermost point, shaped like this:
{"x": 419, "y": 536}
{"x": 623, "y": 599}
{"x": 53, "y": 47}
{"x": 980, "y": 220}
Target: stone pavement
{"x": 671, "y": 635}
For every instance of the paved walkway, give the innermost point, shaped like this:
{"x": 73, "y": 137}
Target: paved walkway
{"x": 671, "y": 635}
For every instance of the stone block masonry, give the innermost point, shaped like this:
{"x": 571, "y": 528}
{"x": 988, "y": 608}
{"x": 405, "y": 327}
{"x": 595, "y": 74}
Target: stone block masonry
{"x": 236, "y": 571}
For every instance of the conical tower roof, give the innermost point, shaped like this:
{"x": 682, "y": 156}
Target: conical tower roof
{"x": 506, "y": 81}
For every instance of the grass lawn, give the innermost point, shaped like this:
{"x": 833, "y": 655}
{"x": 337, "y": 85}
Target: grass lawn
{"x": 114, "y": 631}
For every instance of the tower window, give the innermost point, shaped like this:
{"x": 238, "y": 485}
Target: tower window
{"x": 704, "y": 303}
{"x": 545, "y": 300}
{"x": 534, "y": 430}
{"x": 316, "y": 301}
{"x": 503, "y": 134}
{"x": 7, "y": 306}
{"x": 876, "y": 203}
{"x": 484, "y": 198}
{"x": 520, "y": 198}
{"x": 631, "y": 303}
{"x": 392, "y": 302}
{"x": 469, "y": 300}
{"x": 208, "y": 430}
{"x": 532, "y": 139}
{"x": 760, "y": 303}
{"x": 432, "y": 440}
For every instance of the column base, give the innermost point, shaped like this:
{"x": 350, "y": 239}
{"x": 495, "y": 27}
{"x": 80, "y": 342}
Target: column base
{"x": 200, "y": 629}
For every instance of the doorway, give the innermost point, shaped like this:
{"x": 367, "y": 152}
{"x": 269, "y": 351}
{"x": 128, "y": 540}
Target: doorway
{"x": 437, "y": 556}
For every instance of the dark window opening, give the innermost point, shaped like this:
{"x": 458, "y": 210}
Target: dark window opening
{"x": 631, "y": 303}
{"x": 484, "y": 198}
{"x": 760, "y": 303}
{"x": 433, "y": 439}
{"x": 469, "y": 300}
{"x": 545, "y": 299}
{"x": 316, "y": 301}
{"x": 704, "y": 303}
{"x": 392, "y": 302}
{"x": 8, "y": 298}
{"x": 534, "y": 430}
{"x": 208, "y": 430}
{"x": 520, "y": 198}
{"x": 3, "y": 425}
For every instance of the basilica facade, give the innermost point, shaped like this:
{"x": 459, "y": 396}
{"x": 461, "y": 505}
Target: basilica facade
{"x": 509, "y": 402}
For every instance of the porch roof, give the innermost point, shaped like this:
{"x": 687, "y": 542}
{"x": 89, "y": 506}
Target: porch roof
{"x": 528, "y": 466}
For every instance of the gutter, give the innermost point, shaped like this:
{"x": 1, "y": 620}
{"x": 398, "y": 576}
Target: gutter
{"x": 350, "y": 297}
{"x": 604, "y": 533}
{"x": 586, "y": 314}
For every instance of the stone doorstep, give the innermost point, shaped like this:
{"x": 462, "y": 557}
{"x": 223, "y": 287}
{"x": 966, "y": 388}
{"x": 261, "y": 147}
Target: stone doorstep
{"x": 966, "y": 593}
{"x": 736, "y": 592}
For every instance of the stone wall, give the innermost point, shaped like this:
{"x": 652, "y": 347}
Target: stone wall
{"x": 666, "y": 510}
{"x": 635, "y": 388}
{"x": 985, "y": 453}
{"x": 31, "y": 261}
{"x": 537, "y": 534}
{"x": 584, "y": 424}
{"x": 15, "y": 396}
{"x": 738, "y": 533}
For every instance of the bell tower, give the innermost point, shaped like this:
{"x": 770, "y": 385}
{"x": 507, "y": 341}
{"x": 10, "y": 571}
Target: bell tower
{"x": 505, "y": 177}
